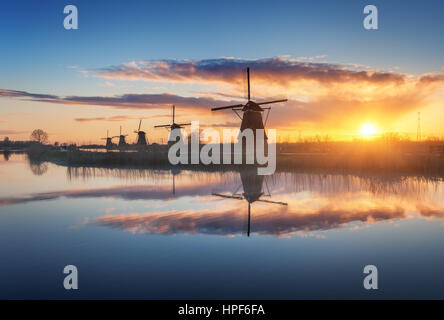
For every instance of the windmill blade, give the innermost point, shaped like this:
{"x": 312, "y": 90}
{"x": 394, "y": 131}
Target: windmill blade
{"x": 228, "y": 197}
{"x": 248, "y": 79}
{"x": 163, "y": 126}
{"x": 273, "y": 202}
{"x": 249, "y": 218}
{"x": 227, "y": 107}
{"x": 174, "y": 112}
{"x": 140, "y": 123}
{"x": 183, "y": 124}
{"x": 273, "y": 101}
{"x": 237, "y": 189}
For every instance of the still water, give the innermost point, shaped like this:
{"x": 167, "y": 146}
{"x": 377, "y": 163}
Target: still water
{"x": 159, "y": 234}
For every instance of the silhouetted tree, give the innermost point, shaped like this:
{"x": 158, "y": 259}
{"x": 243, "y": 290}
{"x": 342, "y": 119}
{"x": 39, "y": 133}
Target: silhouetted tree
{"x": 6, "y": 141}
{"x": 39, "y": 136}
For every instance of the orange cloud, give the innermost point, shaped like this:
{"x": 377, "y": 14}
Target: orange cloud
{"x": 278, "y": 69}
{"x": 323, "y": 97}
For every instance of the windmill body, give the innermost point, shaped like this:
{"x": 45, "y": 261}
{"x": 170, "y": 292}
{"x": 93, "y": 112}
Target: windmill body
{"x": 252, "y": 112}
{"x": 109, "y": 141}
{"x": 252, "y": 118}
{"x": 122, "y": 141}
{"x": 122, "y": 138}
{"x": 141, "y": 136}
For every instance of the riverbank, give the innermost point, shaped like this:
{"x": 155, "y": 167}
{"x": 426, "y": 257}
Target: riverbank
{"x": 359, "y": 160}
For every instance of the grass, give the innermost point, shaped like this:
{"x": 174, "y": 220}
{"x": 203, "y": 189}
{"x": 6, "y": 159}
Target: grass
{"x": 366, "y": 156}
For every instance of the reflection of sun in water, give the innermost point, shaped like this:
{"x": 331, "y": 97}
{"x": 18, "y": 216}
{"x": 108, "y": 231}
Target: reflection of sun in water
{"x": 368, "y": 130}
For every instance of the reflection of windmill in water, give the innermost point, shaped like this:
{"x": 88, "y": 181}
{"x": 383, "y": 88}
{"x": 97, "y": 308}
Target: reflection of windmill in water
{"x": 109, "y": 141}
{"x": 173, "y": 125}
{"x": 251, "y": 111}
{"x": 141, "y": 136}
{"x": 174, "y": 172}
{"x": 6, "y": 155}
{"x": 252, "y": 184}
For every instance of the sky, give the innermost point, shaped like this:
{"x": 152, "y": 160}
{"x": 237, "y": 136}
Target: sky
{"x": 132, "y": 60}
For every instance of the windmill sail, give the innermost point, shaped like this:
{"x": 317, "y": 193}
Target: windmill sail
{"x": 173, "y": 124}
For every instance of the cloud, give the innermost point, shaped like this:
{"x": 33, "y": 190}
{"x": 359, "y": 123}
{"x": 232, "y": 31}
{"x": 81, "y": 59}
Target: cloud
{"x": 322, "y": 96}
{"x": 108, "y": 119}
{"x": 11, "y": 132}
{"x": 282, "y": 70}
{"x": 337, "y": 111}
{"x": 431, "y": 78}
{"x": 21, "y": 94}
{"x": 121, "y": 118}
{"x": 126, "y": 101}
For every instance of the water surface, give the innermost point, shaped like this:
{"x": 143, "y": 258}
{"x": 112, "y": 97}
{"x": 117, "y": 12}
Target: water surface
{"x": 163, "y": 234}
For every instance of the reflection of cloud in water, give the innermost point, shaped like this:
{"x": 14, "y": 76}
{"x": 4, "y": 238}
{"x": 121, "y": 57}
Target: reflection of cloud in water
{"x": 316, "y": 202}
{"x": 135, "y": 192}
{"x": 232, "y": 221}
{"x": 429, "y": 212}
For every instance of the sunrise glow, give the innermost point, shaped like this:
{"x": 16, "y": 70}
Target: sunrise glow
{"x": 368, "y": 130}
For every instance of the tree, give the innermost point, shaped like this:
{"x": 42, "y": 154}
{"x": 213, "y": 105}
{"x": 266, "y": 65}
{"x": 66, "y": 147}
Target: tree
{"x": 6, "y": 141}
{"x": 39, "y": 136}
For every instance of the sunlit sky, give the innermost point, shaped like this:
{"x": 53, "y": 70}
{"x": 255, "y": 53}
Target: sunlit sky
{"x": 133, "y": 59}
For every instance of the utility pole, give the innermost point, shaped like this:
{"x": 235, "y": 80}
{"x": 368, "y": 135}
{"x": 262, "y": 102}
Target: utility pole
{"x": 418, "y": 130}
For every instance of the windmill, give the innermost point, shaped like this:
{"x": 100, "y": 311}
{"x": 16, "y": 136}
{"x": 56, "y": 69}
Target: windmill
{"x": 173, "y": 124}
{"x": 252, "y": 111}
{"x": 252, "y": 184}
{"x": 141, "y": 135}
{"x": 121, "y": 137}
{"x": 109, "y": 142}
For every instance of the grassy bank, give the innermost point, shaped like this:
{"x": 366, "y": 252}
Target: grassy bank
{"x": 364, "y": 160}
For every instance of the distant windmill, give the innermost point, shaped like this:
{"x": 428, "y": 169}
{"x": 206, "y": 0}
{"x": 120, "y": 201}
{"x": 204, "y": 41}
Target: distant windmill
{"x": 122, "y": 141}
{"x": 141, "y": 135}
{"x": 252, "y": 111}
{"x": 109, "y": 142}
{"x": 253, "y": 191}
{"x": 173, "y": 124}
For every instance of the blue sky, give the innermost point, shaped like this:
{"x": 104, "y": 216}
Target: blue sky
{"x": 111, "y": 32}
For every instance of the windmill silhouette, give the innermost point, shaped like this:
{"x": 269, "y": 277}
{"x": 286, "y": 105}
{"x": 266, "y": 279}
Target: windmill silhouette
{"x": 173, "y": 124}
{"x": 252, "y": 184}
{"x": 141, "y": 135}
{"x": 252, "y": 111}
{"x": 122, "y": 141}
{"x": 109, "y": 142}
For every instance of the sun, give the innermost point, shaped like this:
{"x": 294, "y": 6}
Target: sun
{"x": 368, "y": 130}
